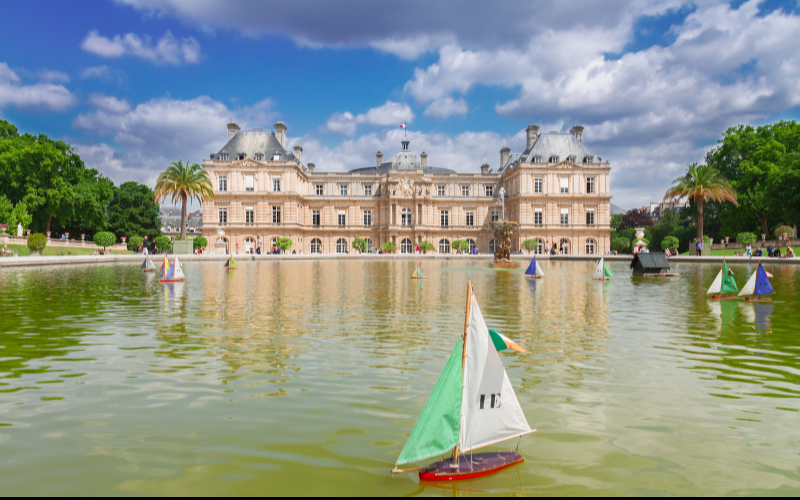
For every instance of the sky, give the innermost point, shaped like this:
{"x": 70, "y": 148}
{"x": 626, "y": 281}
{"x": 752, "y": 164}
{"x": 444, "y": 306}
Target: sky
{"x": 136, "y": 84}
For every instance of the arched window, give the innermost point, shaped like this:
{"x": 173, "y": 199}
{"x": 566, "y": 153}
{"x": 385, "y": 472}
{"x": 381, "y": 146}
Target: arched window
{"x": 539, "y": 246}
{"x": 493, "y": 246}
{"x": 406, "y": 246}
{"x": 316, "y": 246}
{"x": 249, "y": 245}
{"x": 471, "y": 246}
{"x": 274, "y": 242}
{"x": 341, "y": 245}
{"x": 444, "y": 246}
{"x": 405, "y": 217}
{"x": 554, "y": 159}
{"x": 590, "y": 247}
{"x": 563, "y": 246}
{"x": 369, "y": 245}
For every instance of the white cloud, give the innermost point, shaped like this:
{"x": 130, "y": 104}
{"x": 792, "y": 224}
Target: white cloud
{"x": 445, "y": 107}
{"x": 166, "y": 51}
{"x": 389, "y": 114}
{"x": 53, "y": 76}
{"x": 40, "y": 95}
{"x": 95, "y": 72}
{"x": 149, "y": 136}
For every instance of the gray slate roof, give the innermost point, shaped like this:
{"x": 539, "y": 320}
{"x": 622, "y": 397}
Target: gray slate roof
{"x": 386, "y": 167}
{"x": 250, "y": 142}
{"x": 549, "y": 144}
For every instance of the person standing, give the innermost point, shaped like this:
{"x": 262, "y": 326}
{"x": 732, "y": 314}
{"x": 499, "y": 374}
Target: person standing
{"x": 749, "y": 250}
{"x": 699, "y": 247}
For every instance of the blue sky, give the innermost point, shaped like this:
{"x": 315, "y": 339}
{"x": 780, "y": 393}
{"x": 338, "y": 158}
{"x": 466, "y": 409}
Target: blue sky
{"x": 135, "y": 84}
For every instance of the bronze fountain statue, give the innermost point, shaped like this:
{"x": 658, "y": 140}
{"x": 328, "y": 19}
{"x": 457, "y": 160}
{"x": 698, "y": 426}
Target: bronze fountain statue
{"x": 503, "y": 232}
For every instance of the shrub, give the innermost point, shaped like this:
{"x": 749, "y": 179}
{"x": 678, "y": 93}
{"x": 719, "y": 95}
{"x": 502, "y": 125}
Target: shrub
{"x": 669, "y": 242}
{"x": 21, "y": 216}
{"x": 530, "y": 244}
{"x": 135, "y": 243}
{"x": 621, "y": 244}
{"x": 37, "y": 242}
{"x": 104, "y": 239}
{"x": 163, "y": 243}
{"x": 389, "y": 247}
{"x": 360, "y": 244}
{"x": 284, "y": 244}
{"x": 426, "y": 246}
{"x": 199, "y": 242}
{"x": 784, "y": 229}
{"x": 460, "y": 245}
{"x": 746, "y": 238}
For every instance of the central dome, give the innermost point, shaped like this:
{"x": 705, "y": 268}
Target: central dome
{"x": 405, "y": 160}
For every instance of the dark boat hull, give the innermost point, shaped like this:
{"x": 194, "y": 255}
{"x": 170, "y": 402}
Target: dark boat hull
{"x": 470, "y": 466}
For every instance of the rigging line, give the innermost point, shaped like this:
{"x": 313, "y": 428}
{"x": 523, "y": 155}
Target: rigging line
{"x": 517, "y": 448}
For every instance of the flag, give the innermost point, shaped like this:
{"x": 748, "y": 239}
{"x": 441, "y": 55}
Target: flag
{"x": 402, "y": 125}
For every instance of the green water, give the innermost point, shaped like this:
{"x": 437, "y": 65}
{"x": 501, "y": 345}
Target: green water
{"x": 307, "y": 377}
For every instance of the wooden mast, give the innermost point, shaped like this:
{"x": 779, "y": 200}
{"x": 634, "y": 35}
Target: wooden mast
{"x": 464, "y": 354}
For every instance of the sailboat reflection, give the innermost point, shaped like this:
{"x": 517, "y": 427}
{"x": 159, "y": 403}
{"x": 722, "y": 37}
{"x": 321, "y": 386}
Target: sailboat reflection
{"x": 763, "y": 311}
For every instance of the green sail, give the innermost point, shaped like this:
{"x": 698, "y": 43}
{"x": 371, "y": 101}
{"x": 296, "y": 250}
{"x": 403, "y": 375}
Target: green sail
{"x": 607, "y": 271}
{"x": 728, "y": 283}
{"x": 436, "y": 430}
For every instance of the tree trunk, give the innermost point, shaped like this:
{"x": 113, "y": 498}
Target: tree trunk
{"x": 764, "y": 225}
{"x": 47, "y": 228}
{"x": 699, "y": 202}
{"x": 183, "y": 217}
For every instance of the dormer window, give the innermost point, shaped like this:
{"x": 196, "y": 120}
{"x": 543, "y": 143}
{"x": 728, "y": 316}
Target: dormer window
{"x": 241, "y": 156}
{"x": 276, "y": 157}
{"x": 571, "y": 158}
{"x": 588, "y": 159}
{"x": 259, "y": 157}
{"x": 537, "y": 159}
{"x": 223, "y": 157}
{"x": 554, "y": 159}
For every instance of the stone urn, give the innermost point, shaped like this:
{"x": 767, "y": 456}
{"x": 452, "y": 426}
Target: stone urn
{"x": 28, "y": 231}
{"x": 48, "y": 235}
{"x": 3, "y": 228}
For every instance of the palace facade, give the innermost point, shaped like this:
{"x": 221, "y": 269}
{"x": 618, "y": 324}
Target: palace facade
{"x": 556, "y": 190}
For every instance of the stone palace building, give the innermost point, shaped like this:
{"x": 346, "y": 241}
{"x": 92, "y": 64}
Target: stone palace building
{"x": 556, "y": 190}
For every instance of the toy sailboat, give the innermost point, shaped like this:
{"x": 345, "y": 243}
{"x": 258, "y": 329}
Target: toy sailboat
{"x": 162, "y": 271}
{"x": 148, "y": 266}
{"x": 175, "y": 273}
{"x": 231, "y": 264}
{"x": 418, "y": 275}
{"x": 758, "y": 286}
{"x": 534, "y": 271}
{"x": 723, "y": 284}
{"x": 602, "y": 272}
{"x": 464, "y": 411}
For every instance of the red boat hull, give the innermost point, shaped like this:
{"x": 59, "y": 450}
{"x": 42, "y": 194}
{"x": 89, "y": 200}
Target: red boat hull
{"x": 753, "y": 299}
{"x": 471, "y": 466}
{"x": 724, "y": 297}
{"x": 172, "y": 281}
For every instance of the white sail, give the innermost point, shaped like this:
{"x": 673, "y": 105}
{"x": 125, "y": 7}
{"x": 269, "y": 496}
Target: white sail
{"x": 750, "y": 287}
{"x": 490, "y": 412}
{"x": 716, "y": 286}
{"x": 178, "y": 274}
{"x": 599, "y": 271}
{"x": 539, "y": 271}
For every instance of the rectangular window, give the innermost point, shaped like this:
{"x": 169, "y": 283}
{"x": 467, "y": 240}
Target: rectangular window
{"x": 249, "y": 184}
{"x": 464, "y": 190}
{"x": 368, "y": 190}
{"x": 564, "y": 216}
{"x": 320, "y": 189}
{"x": 343, "y": 190}
{"x": 495, "y": 215}
{"x": 590, "y": 217}
{"x": 249, "y": 215}
{"x": 276, "y": 215}
{"x": 367, "y": 217}
{"x": 490, "y": 191}
{"x": 223, "y": 183}
{"x": 470, "y": 219}
{"x": 276, "y": 184}
{"x": 564, "y": 185}
{"x": 590, "y": 185}
{"x": 342, "y": 218}
{"x": 538, "y": 185}
{"x": 223, "y": 215}
{"x": 444, "y": 218}
{"x": 538, "y": 216}
{"x": 439, "y": 190}
{"x": 315, "y": 217}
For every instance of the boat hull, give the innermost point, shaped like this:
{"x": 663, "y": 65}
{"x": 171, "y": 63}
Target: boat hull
{"x": 470, "y": 466}
{"x": 172, "y": 281}
{"x": 533, "y": 277}
{"x": 724, "y": 297}
{"x": 754, "y": 299}
{"x": 602, "y": 279}
{"x": 418, "y": 278}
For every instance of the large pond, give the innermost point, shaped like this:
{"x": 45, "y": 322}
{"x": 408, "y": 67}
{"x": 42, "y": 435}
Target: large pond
{"x": 307, "y": 377}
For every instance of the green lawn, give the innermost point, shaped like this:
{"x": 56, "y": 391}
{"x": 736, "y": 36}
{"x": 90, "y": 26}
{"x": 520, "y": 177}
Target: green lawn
{"x": 23, "y": 251}
{"x": 721, "y": 253}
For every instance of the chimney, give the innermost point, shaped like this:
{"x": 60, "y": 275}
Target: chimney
{"x": 577, "y": 131}
{"x": 504, "y": 156}
{"x": 280, "y": 133}
{"x": 485, "y": 168}
{"x": 232, "y": 130}
{"x": 424, "y": 159}
{"x": 533, "y": 134}
{"x": 298, "y": 153}
{"x": 310, "y": 168}
{"x": 379, "y": 156}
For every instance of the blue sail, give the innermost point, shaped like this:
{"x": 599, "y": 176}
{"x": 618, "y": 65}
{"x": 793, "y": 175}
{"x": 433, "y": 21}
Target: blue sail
{"x": 170, "y": 274}
{"x": 532, "y": 268}
{"x": 763, "y": 286}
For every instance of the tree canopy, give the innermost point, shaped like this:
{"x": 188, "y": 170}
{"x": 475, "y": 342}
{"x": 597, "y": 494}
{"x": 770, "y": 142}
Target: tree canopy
{"x": 132, "y": 212}
{"x": 184, "y": 181}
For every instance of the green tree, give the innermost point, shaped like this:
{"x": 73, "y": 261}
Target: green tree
{"x": 132, "y": 211}
{"x": 426, "y": 246}
{"x": 530, "y": 245}
{"x": 284, "y": 244}
{"x": 669, "y": 224}
{"x": 163, "y": 243}
{"x": 37, "y": 242}
{"x": 135, "y": 243}
{"x": 701, "y": 182}
{"x": 621, "y": 244}
{"x": 20, "y": 216}
{"x": 785, "y": 187}
{"x": 784, "y": 229}
{"x": 184, "y": 182}
{"x": 746, "y": 238}
{"x": 199, "y": 242}
{"x": 360, "y": 244}
{"x": 616, "y": 221}
{"x": 669, "y": 242}
{"x": 104, "y": 239}
{"x": 389, "y": 247}
{"x": 460, "y": 246}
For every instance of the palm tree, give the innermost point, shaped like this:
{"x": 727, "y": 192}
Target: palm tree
{"x": 702, "y": 182}
{"x": 183, "y": 181}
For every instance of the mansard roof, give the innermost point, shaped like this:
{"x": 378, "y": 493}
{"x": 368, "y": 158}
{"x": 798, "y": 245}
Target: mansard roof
{"x": 562, "y": 145}
{"x": 386, "y": 167}
{"x": 251, "y": 142}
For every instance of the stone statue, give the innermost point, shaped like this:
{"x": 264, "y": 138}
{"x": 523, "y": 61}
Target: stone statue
{"x": 19, "y": 229}
{"x": 502, "y": 195}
